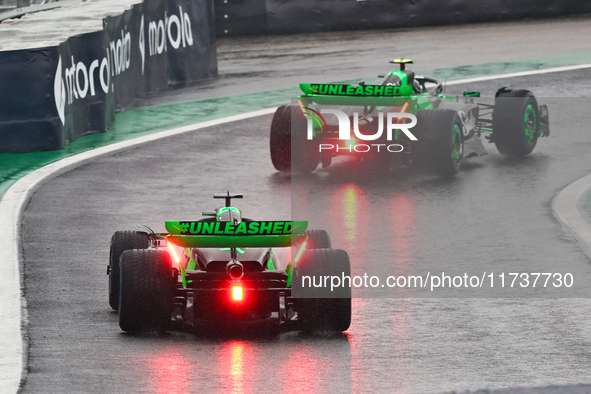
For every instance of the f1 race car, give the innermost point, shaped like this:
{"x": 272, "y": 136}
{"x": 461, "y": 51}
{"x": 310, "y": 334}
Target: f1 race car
{"x": 405, "y": 120}
{"x": 224, "y": 269}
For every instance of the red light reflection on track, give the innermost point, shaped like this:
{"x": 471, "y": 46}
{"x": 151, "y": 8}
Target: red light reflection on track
{"x": 169, "y": 369}
{"x": 245, "y": 367}
{"x": 237, "y": 365}
{"x": 236, "y": 378}
{"x": 348, "y": 211}
{"x": 301, "y": 374}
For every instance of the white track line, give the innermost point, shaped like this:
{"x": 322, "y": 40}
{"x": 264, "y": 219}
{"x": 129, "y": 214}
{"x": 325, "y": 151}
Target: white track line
{"x": 520, "y": 74}
{"x": 13, "y": 312}
{"x": 566, "y": 209}
{"x": 13, "y": 351}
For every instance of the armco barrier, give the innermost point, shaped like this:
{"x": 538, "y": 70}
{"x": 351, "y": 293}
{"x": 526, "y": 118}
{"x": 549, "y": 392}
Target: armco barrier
{"x": 51, "y": 96}
{"x": 246, "y": 17}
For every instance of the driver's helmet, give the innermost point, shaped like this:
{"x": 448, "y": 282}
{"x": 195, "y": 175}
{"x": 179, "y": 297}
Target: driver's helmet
{"x": 417, "y": 87}
{"x": 229, "y": 214}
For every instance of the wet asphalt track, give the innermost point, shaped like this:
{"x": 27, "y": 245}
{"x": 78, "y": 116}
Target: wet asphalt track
{"x": 497, "y": 209}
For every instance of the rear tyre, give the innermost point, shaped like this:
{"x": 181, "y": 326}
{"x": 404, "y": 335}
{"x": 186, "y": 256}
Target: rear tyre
{"x": 317, "y": 312}
{"x": 147, "y": 289}
{"x": 289, "y": 146}
{"x": 516, "y": 122}
{"x": 318, "y": 239}
{"x": 442, "y": 131}
{"x": 120, "y": 242}
{"x": 280, "y": 140}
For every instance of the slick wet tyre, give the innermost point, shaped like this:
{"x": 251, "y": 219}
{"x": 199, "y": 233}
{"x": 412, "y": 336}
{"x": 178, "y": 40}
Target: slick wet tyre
{"x": 516, "y": 122}
{"x": 280, "y": 139}
{"x": 146, "y": 292}
{"x": 120, "y": 242}
{"x": 320, "y": 308}
{"x": 318, "y": 239}
{"x": 289, "y": 146}
{"x": 441, "y": 130}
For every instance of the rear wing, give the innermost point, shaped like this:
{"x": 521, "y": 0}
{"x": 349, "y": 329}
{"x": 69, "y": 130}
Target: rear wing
{"x": 334, "y": 89}
{"x": 365, "y": 95}
{"x": 210, "y": 234}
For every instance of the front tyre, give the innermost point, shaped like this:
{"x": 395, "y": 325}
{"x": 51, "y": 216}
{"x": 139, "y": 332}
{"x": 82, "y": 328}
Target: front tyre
{"x": 120, "y": 242}
{"x": 147, "y": 291}
{"x": 516, "y": 122}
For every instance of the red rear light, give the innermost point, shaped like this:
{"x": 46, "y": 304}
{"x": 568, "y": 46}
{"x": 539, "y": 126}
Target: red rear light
{"x": 174, "y": 254}
{"x": 237, "y": 293}
{"x": 350, "y": 143}
{"x": 300, "y": 251}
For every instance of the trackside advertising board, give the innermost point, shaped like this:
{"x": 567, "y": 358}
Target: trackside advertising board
{"x": 51, "y": 96}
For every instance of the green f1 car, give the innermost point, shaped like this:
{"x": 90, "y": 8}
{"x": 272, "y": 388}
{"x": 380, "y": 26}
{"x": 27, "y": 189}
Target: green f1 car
{"x": 224, "y": 269}
{"x": 404, "y": 121}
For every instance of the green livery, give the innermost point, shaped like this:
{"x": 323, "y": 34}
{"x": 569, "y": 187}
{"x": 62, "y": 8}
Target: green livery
{"x": 312, "y": 90}
{"x": 229, "y": 228}
{"x": 224, "y": 269}
{"x": 448, "y": 128}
